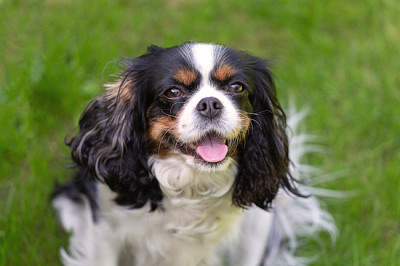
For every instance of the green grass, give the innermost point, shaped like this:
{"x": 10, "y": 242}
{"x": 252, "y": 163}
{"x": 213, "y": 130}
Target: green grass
{"x": 341, "y": 58}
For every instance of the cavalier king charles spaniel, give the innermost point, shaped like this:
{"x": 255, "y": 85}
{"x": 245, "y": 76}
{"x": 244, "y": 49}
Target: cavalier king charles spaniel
{"x": 185, "y": 161}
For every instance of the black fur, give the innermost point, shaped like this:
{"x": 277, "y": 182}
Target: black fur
{"x": 264, "y": 161}
{"x": 111, "y": 143}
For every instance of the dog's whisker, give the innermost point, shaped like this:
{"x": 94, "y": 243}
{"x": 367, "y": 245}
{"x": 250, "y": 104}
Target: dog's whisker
{"x": 165, "y": 134}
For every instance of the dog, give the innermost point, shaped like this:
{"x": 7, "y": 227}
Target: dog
{"x": 185, "y": 161}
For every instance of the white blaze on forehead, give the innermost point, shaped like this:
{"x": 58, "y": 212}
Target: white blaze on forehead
{"x": 203, "y": 55}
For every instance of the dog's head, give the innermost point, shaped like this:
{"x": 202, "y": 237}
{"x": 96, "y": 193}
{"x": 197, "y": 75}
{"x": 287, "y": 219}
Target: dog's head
{"x": 208, "y": 105}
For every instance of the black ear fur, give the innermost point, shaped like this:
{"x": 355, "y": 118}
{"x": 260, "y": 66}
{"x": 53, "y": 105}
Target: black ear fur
{"x": 111, "y": 143}
{"x": 264, "y": 161}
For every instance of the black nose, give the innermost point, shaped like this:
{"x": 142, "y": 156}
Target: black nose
{"x": 210, "y": 107}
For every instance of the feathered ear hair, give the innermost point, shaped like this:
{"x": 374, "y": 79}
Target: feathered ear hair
{"x": 111, "y": 143}
{"x": 264, "y": 162}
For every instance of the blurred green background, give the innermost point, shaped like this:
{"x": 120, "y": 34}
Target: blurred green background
{"x": 341, "y": 58}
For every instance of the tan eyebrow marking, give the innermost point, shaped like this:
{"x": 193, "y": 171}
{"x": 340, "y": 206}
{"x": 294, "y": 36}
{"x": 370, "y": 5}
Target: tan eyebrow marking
{"x": 224, "y": 72}
{"x": 185, "y": 76}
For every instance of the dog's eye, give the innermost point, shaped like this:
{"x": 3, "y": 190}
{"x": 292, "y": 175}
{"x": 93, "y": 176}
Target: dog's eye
{"x": 237, "y": 88}
{"x": 173, "y": 92}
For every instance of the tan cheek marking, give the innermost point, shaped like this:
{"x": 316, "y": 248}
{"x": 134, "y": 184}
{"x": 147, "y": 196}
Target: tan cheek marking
{"x": 235, "y": 154}
{"x": 224, "y": 72}
{"x": 246, "y": 121}
{"x": 159, "y": 127}
{"x": 242, "y": 128}
{"x": 185, "y": 76}
{"x": 163, "y": 153}
{"x": 157, "y": 131}
{"x": 245, "y": 125}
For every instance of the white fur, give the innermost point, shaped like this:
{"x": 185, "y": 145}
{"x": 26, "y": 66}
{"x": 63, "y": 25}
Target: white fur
{"x": 204, "y": 60}
{"x": 90, "y": 243}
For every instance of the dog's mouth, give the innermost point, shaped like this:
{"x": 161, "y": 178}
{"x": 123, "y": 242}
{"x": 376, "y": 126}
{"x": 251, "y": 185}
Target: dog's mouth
{"x": 211, "y": 148}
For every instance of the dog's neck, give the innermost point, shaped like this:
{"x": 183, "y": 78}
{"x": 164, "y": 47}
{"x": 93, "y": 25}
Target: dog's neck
{"x": 178, "y": 179}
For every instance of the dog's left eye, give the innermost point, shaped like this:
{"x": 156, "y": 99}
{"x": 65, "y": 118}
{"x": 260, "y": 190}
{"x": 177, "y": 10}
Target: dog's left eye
{"x": 237, "y": 88}
{"x": 173, "y": 92}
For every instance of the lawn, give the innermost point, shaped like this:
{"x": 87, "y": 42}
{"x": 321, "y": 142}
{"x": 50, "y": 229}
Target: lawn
{"x": 340, "y": 58}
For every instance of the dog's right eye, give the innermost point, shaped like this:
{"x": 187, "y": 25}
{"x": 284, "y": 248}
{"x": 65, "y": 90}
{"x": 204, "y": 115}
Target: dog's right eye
{"x": 173, "y": 92}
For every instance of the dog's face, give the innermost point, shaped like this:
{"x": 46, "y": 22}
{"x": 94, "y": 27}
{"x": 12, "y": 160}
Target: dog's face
{"x": 207, "y": 104}
{"x": 200, "y": 107}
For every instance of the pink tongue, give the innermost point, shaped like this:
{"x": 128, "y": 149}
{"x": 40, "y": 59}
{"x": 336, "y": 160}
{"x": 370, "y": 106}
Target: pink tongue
{"x": 212, "y": 149}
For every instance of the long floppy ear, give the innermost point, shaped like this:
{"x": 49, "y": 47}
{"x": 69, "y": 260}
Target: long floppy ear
{"x": 111, "y": 143}
{"x": 264, "y": 162}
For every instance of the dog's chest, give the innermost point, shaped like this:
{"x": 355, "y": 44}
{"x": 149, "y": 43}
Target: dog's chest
{"x": 183, "y": 233}
{"x": 192, "y": 230}
{"x": 184, "y": 220}
{"x": 203, "y": 221}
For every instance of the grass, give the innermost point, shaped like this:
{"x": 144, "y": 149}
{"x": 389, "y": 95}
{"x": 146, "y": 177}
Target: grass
{"x": 341, "y": 58}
